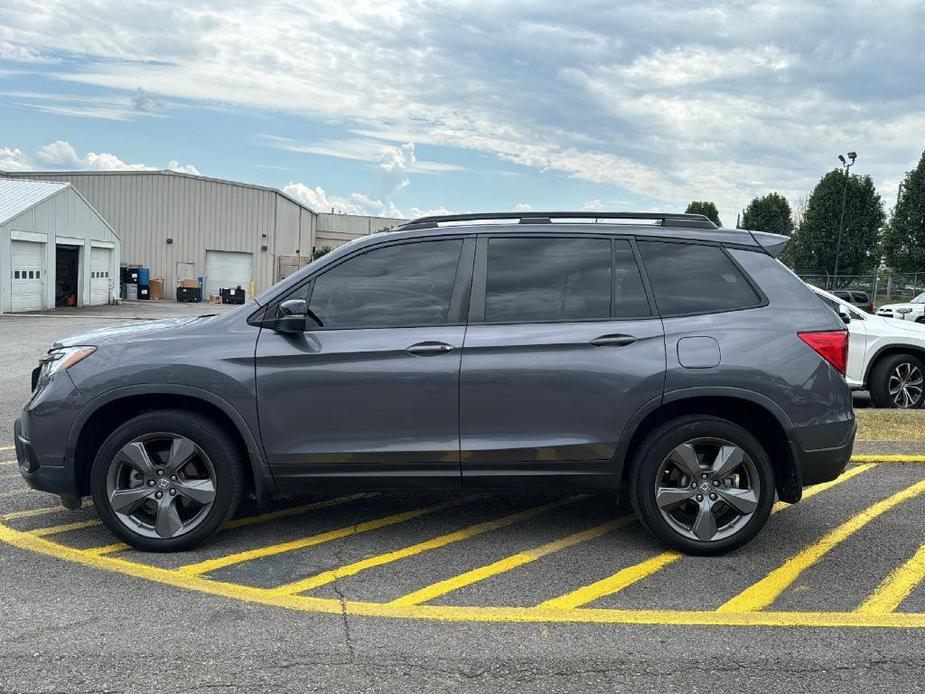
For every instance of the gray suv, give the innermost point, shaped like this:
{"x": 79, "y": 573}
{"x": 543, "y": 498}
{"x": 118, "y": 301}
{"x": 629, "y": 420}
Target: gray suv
{"x": 559, "y": 351}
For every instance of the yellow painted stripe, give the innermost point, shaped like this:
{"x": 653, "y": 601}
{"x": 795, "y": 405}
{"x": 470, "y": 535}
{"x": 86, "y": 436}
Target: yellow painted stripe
{"x": 326, "y": 577}
{"x": 7, "y": 463}
{"x": 481, "y": 573}
{"x": 253, "y": 520}
{"x": 45, "y": 510}
{"x": 633, "y": 574}
{"x": 25, "y": 541}
{"x": 270, "y": 550}
{"x": 897, "y": 586}
{"x": 766, "y": 591}
{"x": 7, "y": 448}
{"x": 67, "y": 527}
{"x": 612, "y": 584}
{"x": 888, "y": 458}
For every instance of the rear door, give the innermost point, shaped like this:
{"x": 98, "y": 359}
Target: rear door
{"x": 561, "y": 350}
{"x": 372, "y": 395}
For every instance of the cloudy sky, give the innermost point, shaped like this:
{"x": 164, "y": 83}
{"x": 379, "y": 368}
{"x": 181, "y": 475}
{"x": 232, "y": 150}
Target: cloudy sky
{"x": 406, "y": 107}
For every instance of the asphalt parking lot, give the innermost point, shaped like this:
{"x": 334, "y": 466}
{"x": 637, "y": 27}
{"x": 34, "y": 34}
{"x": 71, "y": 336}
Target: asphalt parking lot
{"x": 443, "y": 592}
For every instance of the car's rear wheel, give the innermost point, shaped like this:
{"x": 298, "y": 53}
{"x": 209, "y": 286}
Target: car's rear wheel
{"x": 898, "y": 381}
{"x": 702, "y": 484}
{"x": 166, "y": 480}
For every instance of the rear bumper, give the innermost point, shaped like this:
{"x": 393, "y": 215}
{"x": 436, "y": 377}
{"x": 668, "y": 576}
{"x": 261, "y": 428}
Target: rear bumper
{"x": 826, "y": 464}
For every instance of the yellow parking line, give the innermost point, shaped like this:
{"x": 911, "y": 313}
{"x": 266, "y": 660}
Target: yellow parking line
{"x": 767, "y": 590}
{"x": 326, "y": 577}
{"x": 520, "y": 559}
{"x": 254, "y": 520}
{"x": 55, "y": 529}
{"x": 270, "y": 550}
{"x": 45, "y": 510}
{"x": 888, "y": 458}
{"x": 897, "y": 586}
{"x": 7, "y": 448}
{"x": 7, "y": 463}
{"x": 633, "y": 574}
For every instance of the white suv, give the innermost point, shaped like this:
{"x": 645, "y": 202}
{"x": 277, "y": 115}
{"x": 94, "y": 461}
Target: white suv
{"x": 885, "y": 356}
{"x": 913, "y": 311}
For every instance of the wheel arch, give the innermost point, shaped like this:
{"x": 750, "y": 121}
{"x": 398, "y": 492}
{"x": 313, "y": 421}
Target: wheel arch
{"x": 763, "y": 418}
{"x": 115, "y": 407}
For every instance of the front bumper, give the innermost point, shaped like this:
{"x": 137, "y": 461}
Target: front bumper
{"x": 40, "y": 436}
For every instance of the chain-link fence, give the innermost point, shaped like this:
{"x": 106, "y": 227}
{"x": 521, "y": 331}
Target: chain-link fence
{"x": 882, "y": 287}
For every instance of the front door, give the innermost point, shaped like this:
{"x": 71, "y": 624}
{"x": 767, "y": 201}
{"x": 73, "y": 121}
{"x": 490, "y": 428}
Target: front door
{"x": 562, "y": 349}
{"x": 371, "y": 395}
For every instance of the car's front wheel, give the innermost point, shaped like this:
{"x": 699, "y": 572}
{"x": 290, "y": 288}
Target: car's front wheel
{"x": 702, "y": 484}
{"x": 166, "y": 480}
{"x": 898, "y": 381}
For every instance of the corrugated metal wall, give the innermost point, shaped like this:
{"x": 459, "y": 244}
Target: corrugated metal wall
{"x": 334, "y": 230}
{"x": 198, "y": 214}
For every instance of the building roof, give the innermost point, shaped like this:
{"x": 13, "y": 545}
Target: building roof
{"x": 17, "y": 196}
{"x": 160, "y": 172}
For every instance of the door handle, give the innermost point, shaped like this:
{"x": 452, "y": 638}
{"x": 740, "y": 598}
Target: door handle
{"x": 613, "y": 340}
{"x": 429, "y": 349}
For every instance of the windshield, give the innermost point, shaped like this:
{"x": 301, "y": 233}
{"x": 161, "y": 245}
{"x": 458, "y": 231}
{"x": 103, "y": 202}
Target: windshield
{"x": 920, "y": 299}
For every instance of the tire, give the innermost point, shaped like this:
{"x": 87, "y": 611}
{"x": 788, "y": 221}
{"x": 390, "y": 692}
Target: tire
{"x": 903, "y": 371}
{"x": 149, "y": 497}
{"x": 920, "y": 319}
{"x": 749, "y": 484}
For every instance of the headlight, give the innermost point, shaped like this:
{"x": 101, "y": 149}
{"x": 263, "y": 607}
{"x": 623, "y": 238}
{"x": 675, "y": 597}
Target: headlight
{"x": 63, "y": 359}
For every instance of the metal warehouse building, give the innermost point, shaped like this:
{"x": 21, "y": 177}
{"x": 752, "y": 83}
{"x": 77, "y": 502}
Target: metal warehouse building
{"x": 183, "y": 226}
{"x": 55, "y": 248}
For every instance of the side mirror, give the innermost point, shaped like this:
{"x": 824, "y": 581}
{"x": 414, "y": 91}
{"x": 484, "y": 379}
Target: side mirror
{"x": 291, "y": 318}
{"x": 844, "y": 315}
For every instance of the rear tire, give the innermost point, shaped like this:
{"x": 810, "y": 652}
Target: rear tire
{"x": 167, "y": 480}
{"x": 896, "y": 381}
{"x": 703, "y": 485}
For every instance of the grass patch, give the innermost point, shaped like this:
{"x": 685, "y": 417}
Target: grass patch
{"x": 891, "y": 425}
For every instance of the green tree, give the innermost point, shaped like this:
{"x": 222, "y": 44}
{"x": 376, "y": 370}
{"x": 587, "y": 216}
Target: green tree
{"x": 706, "y": 208}
{"x": 319, "y": 252}
{"x": 814, "y": 244}
{"x": 769, "y": 213}
{"x": 904, "y": 237}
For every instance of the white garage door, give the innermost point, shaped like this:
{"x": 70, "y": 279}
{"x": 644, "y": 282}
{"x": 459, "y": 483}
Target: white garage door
{"x": 100, "y": 275}
{"x": 227, "y": 270}
{"x": 28, "y": 275}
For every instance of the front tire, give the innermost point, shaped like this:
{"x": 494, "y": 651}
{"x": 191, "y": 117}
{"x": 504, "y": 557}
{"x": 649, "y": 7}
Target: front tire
{"x": 898, "y": 381}
{"x": 166, "y": 480}
{"x": 703, "y": 485}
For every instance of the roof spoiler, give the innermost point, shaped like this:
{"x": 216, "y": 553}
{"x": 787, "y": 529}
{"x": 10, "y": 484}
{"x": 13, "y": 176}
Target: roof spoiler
{"x": 773, "y": 244}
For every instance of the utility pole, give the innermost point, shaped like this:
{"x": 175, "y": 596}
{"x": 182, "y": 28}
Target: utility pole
{"x": 841, "y": 220}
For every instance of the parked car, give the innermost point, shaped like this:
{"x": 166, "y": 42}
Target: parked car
{"x": 653, "y": 352}
{"x": 885, "y": 356}
{"x": 855, "y": 297}
{"x": 912, "y": 311}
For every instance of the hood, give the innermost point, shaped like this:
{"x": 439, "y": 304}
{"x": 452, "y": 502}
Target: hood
{"x": 128, "y": 331}
{"x": 896, "y": 306}
{"x": 907, "y": 326}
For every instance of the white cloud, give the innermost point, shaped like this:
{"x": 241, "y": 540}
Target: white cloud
{"x": 594, "y": 205}
{"x": 523, "y": 207}
{"x": 357, "y": 203}
{"x": 13, "y": 160}
{"x": 145, "y": 102}
{"x": 61, "y": 154}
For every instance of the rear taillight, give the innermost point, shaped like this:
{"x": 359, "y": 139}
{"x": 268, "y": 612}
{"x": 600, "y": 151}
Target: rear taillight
{"x": 831, "y": 345}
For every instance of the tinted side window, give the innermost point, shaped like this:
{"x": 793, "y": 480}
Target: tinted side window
{"x": 403, "y": 285}
{"x": 545, "y": 279}
{"x": 689, "y": 278}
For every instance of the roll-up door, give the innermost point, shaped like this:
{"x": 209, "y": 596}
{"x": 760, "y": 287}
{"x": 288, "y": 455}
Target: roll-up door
{"x": 28, "y": 275}
{"x": 100, "y": 275}
{"x": 228, "y": 269}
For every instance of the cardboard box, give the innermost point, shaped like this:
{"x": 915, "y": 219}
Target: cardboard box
{"x": 193, "y": 284}
{"x": 157, "y": 288}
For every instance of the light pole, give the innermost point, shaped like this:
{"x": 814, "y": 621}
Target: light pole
{"x": 841, "y": 220}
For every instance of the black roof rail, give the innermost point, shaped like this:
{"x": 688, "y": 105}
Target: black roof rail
{"x": 667, "y": 219}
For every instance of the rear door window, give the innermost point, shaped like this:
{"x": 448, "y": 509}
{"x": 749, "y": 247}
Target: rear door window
{"x": 691, "y": 278}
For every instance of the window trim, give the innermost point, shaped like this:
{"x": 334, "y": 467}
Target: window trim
{"x": 762, "y": 297}
{"x": 480, "y": 278}
{"x": 458, "y": 297}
